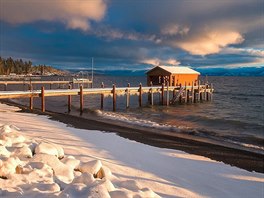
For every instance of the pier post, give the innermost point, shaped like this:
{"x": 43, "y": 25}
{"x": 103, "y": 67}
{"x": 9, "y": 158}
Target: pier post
{"x": 205, "y": 93}
{"x": 192, "y": 92}
{"x": 102, "y": 97}
{"x": 69, "y": 100}
{"x": 127, "y": 95}
{"x": 151, "y": 94}
{"x": 162, "y": 94}
{"x": 140, "y": 95}
{"x": 168, "y": 95}
{"x": 188, "y": 95}
{"x": 211, "y": 98}
{"x": 185, "y": 93}
{"x": 114, "y": 97}
{"x": 5, "y": 87}
{"x": 174, "y": 92}
{"x": 43, "y": 99}
{"x": 81, "y": 99}
{"x": 199, "y": 94}
{"x": 180, "y": 97}
{"x": 31, "y": 98}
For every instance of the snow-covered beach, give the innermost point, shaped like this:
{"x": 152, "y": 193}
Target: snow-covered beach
{"x": 138, "y": 170}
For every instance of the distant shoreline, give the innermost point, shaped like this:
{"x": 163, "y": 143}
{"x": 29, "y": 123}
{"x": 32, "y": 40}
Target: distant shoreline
{"x": 233, "y": 156}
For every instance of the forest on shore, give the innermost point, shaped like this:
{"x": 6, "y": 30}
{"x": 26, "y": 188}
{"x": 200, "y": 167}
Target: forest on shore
{"x": 20, "y": 67}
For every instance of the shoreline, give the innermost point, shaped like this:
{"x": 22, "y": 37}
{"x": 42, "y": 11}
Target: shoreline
{"x": 247, "y": 160}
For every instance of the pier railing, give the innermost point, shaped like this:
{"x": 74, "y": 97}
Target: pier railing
{"x": 168, "y": 95}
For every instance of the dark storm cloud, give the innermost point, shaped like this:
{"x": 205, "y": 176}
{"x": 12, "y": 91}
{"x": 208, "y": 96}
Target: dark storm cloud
{"x": 132, "y": 33}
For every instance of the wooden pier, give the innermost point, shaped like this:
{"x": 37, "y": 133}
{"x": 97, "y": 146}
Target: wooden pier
{"x": 48, "y": 82}
{"x": 168, "y": 95}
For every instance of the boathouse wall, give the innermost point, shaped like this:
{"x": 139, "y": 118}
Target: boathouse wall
{"x": 158, "y": 76}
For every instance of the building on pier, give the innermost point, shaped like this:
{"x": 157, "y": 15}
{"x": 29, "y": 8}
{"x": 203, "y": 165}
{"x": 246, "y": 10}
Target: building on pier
{"x": 172, "y": 75}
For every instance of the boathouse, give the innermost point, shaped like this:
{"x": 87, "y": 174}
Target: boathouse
{"x": 172, "y": 75}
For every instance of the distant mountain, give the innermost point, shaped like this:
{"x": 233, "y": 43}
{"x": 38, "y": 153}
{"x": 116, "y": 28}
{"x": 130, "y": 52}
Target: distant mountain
{"x": 245, "y": 71}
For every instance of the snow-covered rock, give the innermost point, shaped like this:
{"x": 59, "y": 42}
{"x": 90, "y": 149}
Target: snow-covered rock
{"x": 8, "y": 166}
{"x": 71, "y": 161}
{"x": 4, "y": 152}
{"x": 22, "y": 152}
{"x": 62, "y": 171}
{"x": 50, "y": 149}
{"x": 93, "y": 167}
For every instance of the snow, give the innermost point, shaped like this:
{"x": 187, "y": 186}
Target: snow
{"x": 128, "y": 168}
{"x": 177, "y": 70}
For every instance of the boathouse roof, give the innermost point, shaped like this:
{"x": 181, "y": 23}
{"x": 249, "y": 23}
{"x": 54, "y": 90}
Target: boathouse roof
{"x": 176, "y": 70}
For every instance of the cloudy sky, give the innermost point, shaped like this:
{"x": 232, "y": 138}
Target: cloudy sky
{"x": 134, "y": 34}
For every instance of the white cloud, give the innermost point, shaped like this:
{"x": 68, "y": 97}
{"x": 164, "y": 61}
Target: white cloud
{"x": 174, "y": 29}
{"x": 76, "y": 14}
{"x": 209, "y": 42}
{"x": 250, "y": 51}
{"x": 157, "y": 61}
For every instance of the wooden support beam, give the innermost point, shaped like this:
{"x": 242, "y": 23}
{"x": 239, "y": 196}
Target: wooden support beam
{"x": 127, "y": 96}
{"x": 81, "y": 99}
{"x": 167, "y": 96}
{"x": 140, "y": 95}
{"x": 195, "y": 96}
{"x": 185, "y": 93}
{"x": 114, "y": 97}
{"x": 188, "y": 96}
{"x": 69, "y": 99}
{"x": 180, "y": 97}
{"x": 42, "y": 99}
{"x": 199, "y": 94}
{"x": 151, "y": 95}
{"x": 30, "y": 99}
{"x": 211, "y": 98}
{"x": 192, "y": 93}
{"x": 102, "y": 97}
{"x": 162, "y": 94}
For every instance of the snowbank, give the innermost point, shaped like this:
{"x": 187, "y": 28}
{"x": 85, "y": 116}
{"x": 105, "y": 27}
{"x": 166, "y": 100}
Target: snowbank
{"x": 29, "y": 173}
{"x": 106, "y": 165}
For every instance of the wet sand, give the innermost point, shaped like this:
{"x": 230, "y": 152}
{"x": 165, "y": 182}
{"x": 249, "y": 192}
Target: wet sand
{"x": 194, "y": 145}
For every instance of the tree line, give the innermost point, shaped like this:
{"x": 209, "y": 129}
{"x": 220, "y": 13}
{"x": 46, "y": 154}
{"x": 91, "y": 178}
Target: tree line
{"x": 18, "y": 66}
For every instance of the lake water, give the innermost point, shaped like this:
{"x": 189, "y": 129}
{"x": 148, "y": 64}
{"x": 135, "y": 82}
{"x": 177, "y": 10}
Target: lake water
{"x": 236, "y": 114}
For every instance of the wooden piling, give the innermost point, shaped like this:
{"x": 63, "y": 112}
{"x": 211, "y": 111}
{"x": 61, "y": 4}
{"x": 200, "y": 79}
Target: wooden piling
{"x": 114, "y": 97}
{"x": 211, "y": 98}
{"x": 140, "y": 95}
{"x": 185, "y": 93}
{"x": 162, "y": 94}
{"x": 205, "y": 94}
{"x": 199, "y": 94}
{"x": 188, "y": 96}
{"x": 81, "y": 99}
{"x": 102, "y": 97}
{"x": 151, "y": 95}
{"x": 69, "y": 100}
{"x": 180, "y": 97}
{"x": 167, "y": 96}
{"x": 30, "y": 99}
{"x": 192, "y": 93}
{"x": 127, "y": 95}
{"x": 43, "y": 99}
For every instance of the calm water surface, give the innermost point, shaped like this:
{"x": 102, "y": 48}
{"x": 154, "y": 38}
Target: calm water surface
{"x": 235, "y": 115}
